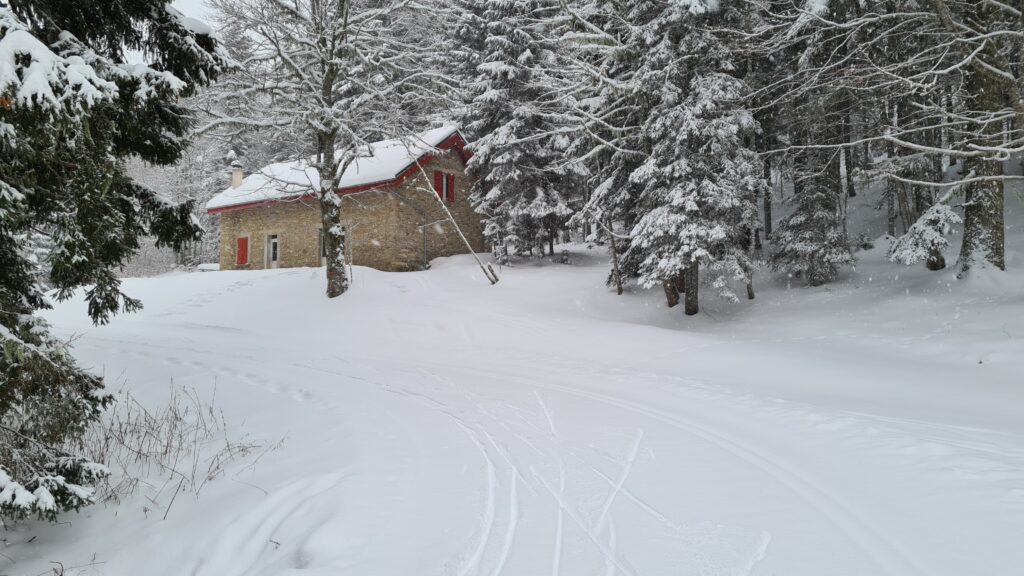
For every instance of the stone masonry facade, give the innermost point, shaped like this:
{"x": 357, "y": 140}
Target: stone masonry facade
{"x": 393, "y": 229}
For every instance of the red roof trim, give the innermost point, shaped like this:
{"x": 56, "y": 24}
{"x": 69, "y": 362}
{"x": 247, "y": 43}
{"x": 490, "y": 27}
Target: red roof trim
{"x": 454, "y": 142}
{"x": 260, "y": 204}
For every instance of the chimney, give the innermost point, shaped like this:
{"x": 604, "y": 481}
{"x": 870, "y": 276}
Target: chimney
{"x": 236, "y": 174}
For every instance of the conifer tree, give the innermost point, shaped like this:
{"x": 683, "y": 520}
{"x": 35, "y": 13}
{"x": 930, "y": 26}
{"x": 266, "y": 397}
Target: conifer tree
{"x": 611, "y": 107}
{"x": 519, "y": 187}
{"x": 670, "y": 144}
{"x": 72, "y": 109}
{"x": 811, "y": 242}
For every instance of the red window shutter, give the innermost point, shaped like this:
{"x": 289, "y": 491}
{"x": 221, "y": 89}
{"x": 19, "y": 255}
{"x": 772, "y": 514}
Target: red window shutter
{"x": 451, "y": 187}
{"x": 242, "y": 253}
{"x": 439, "y": 183}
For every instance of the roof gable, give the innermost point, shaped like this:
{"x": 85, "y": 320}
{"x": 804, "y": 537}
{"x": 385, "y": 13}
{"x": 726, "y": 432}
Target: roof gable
{"x": 384, "y": 164}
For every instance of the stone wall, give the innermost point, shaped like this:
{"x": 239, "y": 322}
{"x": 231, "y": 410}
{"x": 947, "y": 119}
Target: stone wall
{"x": 398, "y": 229}
{"x": 296, "y": 224}
{"x": 403, "y": 229}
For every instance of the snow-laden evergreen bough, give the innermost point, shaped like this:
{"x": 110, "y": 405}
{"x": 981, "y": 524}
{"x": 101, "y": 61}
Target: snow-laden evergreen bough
{"x": 71, "y": 110}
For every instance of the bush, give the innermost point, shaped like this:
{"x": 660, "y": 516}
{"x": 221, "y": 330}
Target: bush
{"x": 177, "y": 448}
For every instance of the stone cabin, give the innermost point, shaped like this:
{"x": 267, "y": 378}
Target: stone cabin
{"x": 392, "y": 216}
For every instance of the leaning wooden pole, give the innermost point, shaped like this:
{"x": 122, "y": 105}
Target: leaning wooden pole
{"x": 488, "y": 271}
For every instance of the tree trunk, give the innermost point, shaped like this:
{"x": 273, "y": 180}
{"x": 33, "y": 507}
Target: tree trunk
{"x": 674, "y": 287}
{"x": 334, "y": 246}
{"x": 330, "y": 218}
{"x": 890, "y": 206}
{"x": 836, "y": 183}
{"x": 851, "y": 191}
{"x": 671, "y": 293}
{"x": 947, "y": 160}
{"x": 799, "y": 163}
{"x": 616, "y": 271}
{"x": 692, "y": 277}
{"x": 984, "y": 233}
{"x": 551, "y": 242}
{"x": 749, "y": 271}
{"x": 891, "y": 186}
{"x": 903, "y": 200}
{"x": 768, "y": 201}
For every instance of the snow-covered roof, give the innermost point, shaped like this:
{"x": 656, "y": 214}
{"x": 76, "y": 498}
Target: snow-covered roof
{"x": 378, "y": 163}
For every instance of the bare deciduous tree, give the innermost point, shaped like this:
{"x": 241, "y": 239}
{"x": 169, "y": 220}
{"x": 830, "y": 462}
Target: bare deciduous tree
{"x": 337, "y": 75}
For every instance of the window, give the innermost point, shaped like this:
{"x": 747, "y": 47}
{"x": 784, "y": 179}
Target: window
{"x": 444, "y": 185}
{"x": 242, "y": 252}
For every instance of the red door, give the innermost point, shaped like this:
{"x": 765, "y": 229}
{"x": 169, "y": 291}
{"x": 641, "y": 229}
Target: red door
{"x": 242, "y": 253}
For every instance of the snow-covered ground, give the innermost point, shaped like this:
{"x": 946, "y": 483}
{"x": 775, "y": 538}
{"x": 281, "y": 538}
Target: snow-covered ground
{"x": 436, "y": 425}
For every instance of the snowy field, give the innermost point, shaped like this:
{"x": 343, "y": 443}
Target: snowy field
{"x": 436, "y": 425}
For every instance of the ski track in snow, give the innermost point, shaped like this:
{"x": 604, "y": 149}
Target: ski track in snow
{"x": 487, "y": 521}
{"x": 606, "y": 551}
{"x": 554, "y": 449}
{"x": 926, "y": 444}
{"x": 474, "y": 563}
{"x": 626, "y": 470}
{"x": 889, "y": 557}
{"x": 556, "y": 557}
{"x": 886, "y": 553}
{"x": 614, "y": 562}
{"x": 245, "y": 541}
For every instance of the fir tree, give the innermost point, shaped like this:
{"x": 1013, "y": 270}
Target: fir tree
{"x": 612, "y": 106}
{"x": 700, "y": 180}
{"x": 669, "y": 138}
{"x": 519, "y": 187}
{"x": 71, "y": 111}
{"x": 811, "y": 242}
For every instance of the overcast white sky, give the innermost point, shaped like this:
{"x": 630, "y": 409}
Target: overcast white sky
{"x": 193, "y": 8}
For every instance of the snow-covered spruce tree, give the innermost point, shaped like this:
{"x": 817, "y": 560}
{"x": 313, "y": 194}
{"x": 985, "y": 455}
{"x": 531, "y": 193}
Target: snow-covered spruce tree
{"x": 71, "y": 110}
{"x": 520, "y": 186}
{"x": 811, "y": 242}
{"x": 700, "y": 181}
{"x": 926, "y": 239}
{"x": 602, "y": 56}
{"x": 469, "y": 34}
{"x": 335, "y": 75}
